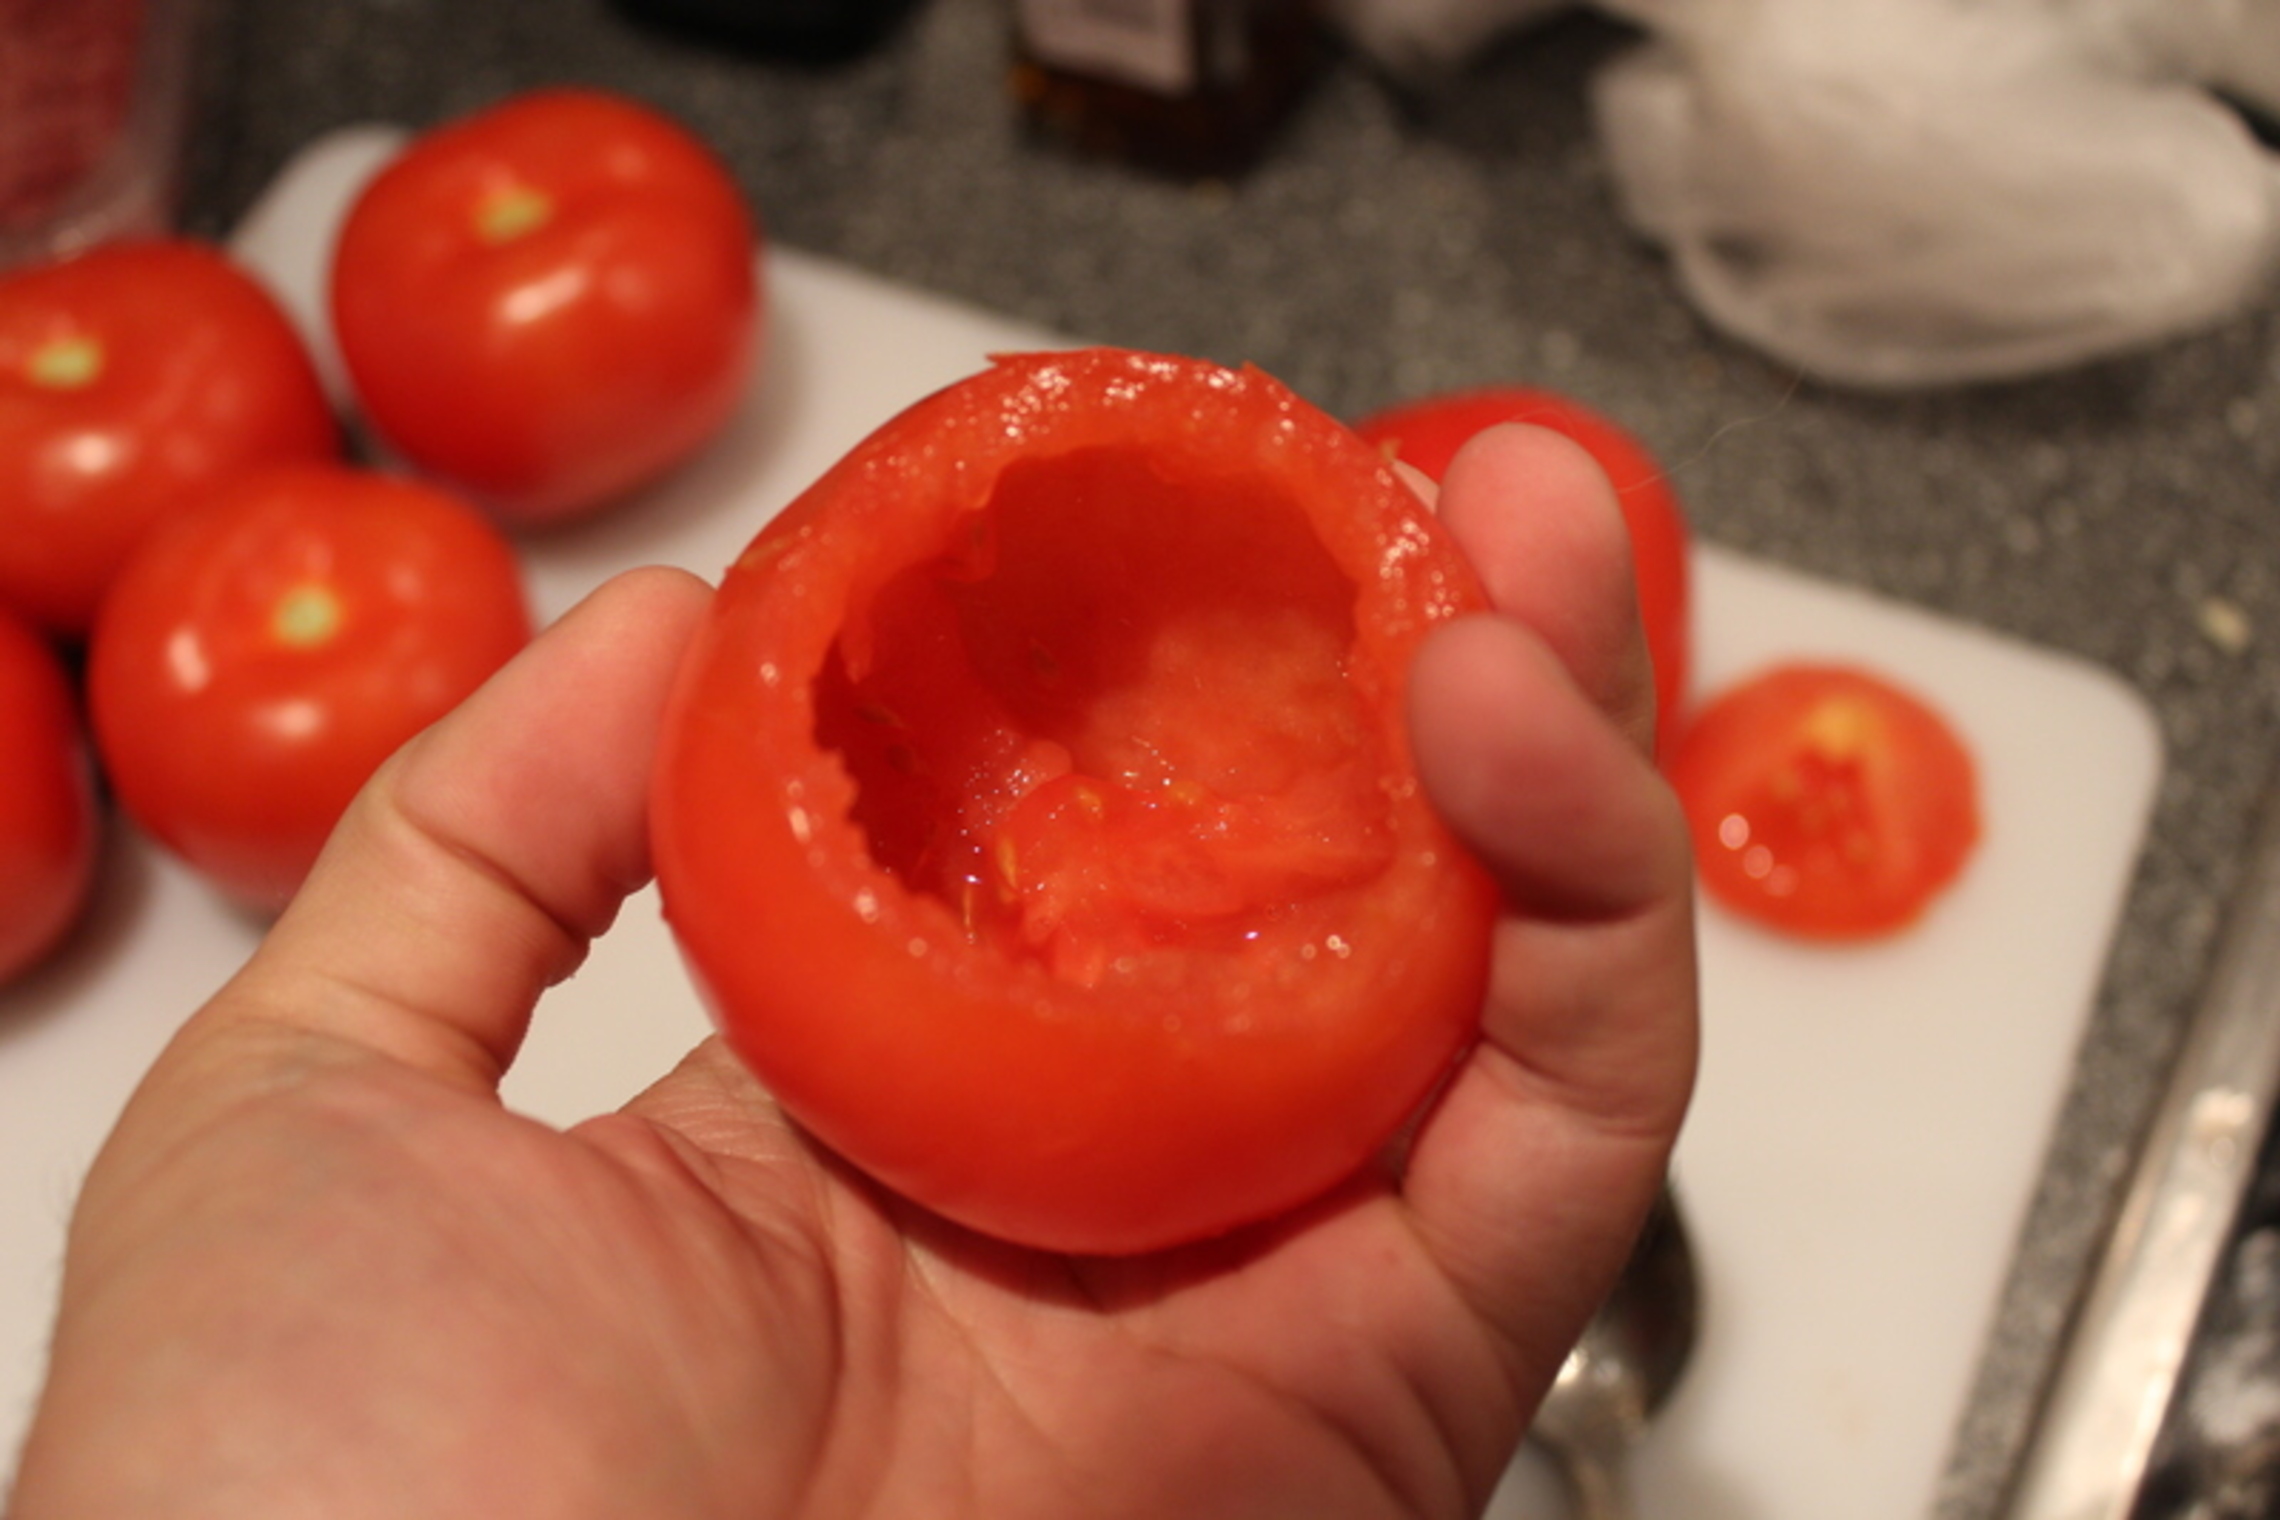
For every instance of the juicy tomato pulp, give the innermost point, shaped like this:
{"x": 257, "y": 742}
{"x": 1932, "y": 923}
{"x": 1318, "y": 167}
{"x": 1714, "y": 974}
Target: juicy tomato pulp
{"x": 1036, "y": 807}
{"x": 269, "y": 646}
{"x": 550, "y": 302}
{"x": 1427, "y": 433}
{"x": 1826, "y": 801}
{"x": 50, "y": 825}
{"x": 131, "y": 377}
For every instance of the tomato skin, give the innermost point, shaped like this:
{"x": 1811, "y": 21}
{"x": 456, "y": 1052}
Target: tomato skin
{"x": 1825, "y": 801}
{"x": 1223, "y": 947}
{"x": 267, "y": 648}
{"x": 597, "y": 333}
{"x": 1427, "y": 433}
{"x": 50, "y": 822}
{"x": 130, "y": 377}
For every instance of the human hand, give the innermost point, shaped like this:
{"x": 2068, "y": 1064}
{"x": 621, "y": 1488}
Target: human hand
{"x": 320, "y": 1270}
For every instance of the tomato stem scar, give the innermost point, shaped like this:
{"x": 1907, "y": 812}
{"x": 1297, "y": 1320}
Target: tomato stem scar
{"x": 66, "y": 364}
{"x": 512, "y": 212}
{"x": 305, "y": 617}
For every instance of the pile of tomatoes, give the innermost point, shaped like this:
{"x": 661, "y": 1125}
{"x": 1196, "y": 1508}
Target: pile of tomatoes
{"x": 214, "y": 615}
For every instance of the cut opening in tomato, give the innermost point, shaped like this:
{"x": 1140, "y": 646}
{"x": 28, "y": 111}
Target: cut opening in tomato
{"x": 1114, "y": 720}
{"x": 1036, "y": 806}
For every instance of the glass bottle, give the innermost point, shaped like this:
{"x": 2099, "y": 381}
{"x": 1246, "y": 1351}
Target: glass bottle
{"x": 1193, "y": 88}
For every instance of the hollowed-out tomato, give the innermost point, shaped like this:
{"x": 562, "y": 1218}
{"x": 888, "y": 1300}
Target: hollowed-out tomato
{"x": 1426, "y": 434}
{"x": 1037, "y": 813}
{"x": 1826, "y": 801}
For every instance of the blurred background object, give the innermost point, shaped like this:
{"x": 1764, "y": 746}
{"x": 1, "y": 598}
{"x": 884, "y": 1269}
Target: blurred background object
{"x": 1415, "y": 40}
{"x": 92, "y": 101}
{"x": 1921, "y": 192}
{"x": 1189, "y": 87}
{"x": 816, "y": 31}
{"x": 1907, "y": 193}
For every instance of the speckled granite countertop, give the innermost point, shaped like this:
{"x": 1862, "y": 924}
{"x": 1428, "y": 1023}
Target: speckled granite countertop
{"x": 2128, "y": 513}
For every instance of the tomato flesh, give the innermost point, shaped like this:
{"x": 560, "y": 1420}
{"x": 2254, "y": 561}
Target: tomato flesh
{"x": 1036, "y": 808}
{"x": 1826, "y": 801}
{"x": 1132, "y": 729}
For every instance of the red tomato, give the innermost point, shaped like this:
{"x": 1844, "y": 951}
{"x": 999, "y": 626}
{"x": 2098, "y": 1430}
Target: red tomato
{"x": 264, "y": 651}
{"x": 1826, "y": 801}
{"x": 49, "y": 824}
{"x": 130, "y": 376}
{"x": 1427, "y": 434}
{"x": 550, "y": 302}
{"x": 1037, "y": 812}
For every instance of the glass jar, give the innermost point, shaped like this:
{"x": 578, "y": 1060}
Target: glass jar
{"x": 93, "y": 102}
{"x": 1189, "y": 87}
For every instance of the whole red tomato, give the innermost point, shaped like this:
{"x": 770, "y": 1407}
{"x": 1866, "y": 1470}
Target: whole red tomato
{"x": 1037, "y": 812}
{"x": 49, "y": 822}
{"x": 265, "y": 650}
{"x": 550, "y": 302}
{"x": 1826, "y": 801}
{"x": 131, "y": 376}
{"x": 1427, "y": 434}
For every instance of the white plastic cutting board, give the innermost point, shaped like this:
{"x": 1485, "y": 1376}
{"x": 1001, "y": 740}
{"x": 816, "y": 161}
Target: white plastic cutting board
{"x": 1869, "y": 1124}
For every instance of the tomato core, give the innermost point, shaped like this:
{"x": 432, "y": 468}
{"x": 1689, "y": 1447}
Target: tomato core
{"x": 1816, "y": 804}
{"x": 66, "y": 364}
{"x": 1826, "y": 801}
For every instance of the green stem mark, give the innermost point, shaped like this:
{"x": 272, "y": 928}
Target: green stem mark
{"x": 510, "y": 213}
{"x": 306, "y": 617}
{"x": 66, "y": 364}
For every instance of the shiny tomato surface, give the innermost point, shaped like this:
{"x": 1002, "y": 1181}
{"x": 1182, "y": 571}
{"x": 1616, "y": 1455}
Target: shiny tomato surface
{"x": 549, "y": 302}
{"x": 1427, "y": 433}
{"x": 50, "y": 825}
{"x": 130, "y": 377}
{"x": 266, "y": 649}
{"x": 1826, "y": 801}
{"x": 1037, "y": 812}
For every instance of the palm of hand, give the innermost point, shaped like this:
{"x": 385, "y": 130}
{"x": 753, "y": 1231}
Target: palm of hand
{"x": 689, "y": 1309}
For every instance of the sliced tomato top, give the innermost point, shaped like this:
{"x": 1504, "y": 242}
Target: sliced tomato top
{"x": 1037, "y": 810}
{"x": 1826, "y": 801}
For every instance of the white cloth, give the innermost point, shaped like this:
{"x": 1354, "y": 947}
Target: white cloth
{"x": 1899, "y": 193}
